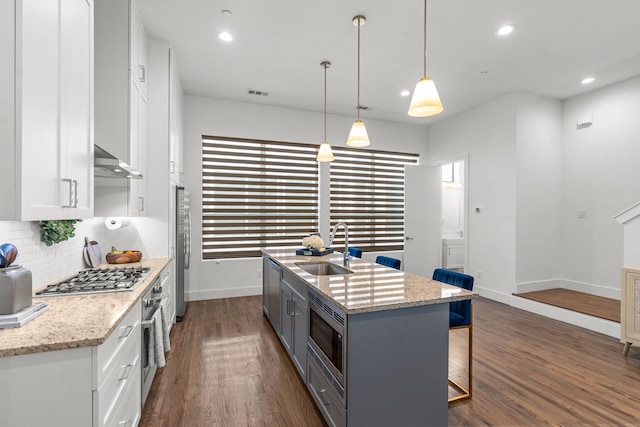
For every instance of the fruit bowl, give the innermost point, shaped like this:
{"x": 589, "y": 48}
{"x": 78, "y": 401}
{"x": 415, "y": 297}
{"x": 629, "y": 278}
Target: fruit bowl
{"x": 124, "y": 257}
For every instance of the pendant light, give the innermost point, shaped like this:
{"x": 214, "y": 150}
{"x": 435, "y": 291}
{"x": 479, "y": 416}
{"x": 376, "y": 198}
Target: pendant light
{"x": 358, "y": 136}
{"x": 324, "y": 153}
{"x": 425, "y": 101}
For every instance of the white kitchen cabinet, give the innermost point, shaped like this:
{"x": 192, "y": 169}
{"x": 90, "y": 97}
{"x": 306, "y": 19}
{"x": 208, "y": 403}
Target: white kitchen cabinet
{"x": 139, "y": 150}
{"x": 46, "y": 109}
{"x": 168, "y": 284}
{"x": 175, "y": 123}
{"x": 117, "y": 375}
{"x": 453, "y": 251}
{"x": 121, "y": 107}
{"x": 139, "y": 51}
{"x": 630, "y": 308}
{"x": 79, "y": 387}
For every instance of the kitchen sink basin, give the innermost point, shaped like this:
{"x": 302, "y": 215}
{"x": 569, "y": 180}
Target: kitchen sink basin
{"x": 323, "y": 268}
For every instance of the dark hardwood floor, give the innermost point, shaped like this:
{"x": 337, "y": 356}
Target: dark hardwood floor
{"x": 227, "y": 368}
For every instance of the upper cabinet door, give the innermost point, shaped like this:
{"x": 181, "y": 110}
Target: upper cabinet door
{"x": 139, "y": 60}
{"x": 41, "y": 192}
{"x": 52, "y": 145}
{"x": 76, "y": 130}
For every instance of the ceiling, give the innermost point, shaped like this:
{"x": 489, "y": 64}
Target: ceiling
{"x": 278, "y": 46}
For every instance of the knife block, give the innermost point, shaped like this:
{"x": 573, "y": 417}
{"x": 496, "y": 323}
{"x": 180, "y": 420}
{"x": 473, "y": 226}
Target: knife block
{"x": 15, "y": 289}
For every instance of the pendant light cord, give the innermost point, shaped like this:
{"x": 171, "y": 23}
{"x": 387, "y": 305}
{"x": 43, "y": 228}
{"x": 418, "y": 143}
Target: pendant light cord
{"x": 325, "y": 100}
{"x": 425, "y": 40}
{"x": 358, "y": 107}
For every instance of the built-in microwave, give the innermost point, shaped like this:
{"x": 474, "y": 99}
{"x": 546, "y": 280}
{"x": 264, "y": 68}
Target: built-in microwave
{"x": 327, "y": 334}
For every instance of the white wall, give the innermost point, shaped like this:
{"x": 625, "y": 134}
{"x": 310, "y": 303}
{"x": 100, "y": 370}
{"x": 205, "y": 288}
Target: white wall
{"x": 539, "y": 188}
{"x": 208, "y": 116}
{"x": 49, "y": 263}
{"x": 487, "y": 134}
{"x": 601, "y": 175}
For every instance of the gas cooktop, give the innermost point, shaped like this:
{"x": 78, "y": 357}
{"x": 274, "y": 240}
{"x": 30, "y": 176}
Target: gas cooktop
{"x": 98, "y": 280}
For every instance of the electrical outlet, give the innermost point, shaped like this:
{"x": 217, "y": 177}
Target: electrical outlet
{"x": 582, "y": 213}
{"x": 479, "y": 274}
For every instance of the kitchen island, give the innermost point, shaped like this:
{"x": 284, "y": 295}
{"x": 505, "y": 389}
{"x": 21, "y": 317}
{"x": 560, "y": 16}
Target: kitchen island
{"x": 394, "y": 332}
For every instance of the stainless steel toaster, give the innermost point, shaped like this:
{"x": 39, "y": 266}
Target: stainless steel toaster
{"x": 15, "y": 289}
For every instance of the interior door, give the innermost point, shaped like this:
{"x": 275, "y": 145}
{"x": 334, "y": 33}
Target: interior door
{"x": 423, "y": 199}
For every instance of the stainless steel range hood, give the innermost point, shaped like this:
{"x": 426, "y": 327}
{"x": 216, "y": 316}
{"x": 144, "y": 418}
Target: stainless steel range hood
{"x": 108, "y": 166}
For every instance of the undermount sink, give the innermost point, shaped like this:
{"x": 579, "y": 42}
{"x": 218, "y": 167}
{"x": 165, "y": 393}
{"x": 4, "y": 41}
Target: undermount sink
{"x": 323, "y": 268}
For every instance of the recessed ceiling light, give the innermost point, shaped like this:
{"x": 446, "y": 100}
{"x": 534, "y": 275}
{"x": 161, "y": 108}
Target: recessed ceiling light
{"x": 587, "y": 80}
{"x": 506, "y": 29}
{"x": 225, "y": 36}
{"x": 405, "y": 93}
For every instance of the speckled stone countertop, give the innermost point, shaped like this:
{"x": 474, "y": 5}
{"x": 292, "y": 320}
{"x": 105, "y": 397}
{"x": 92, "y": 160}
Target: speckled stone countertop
{"x": 371, "y": 287}
{"x": 77, "y": 320}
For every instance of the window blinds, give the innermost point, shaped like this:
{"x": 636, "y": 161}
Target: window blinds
{"x": 256, "y": 194}
{"x": 367, "y": 192}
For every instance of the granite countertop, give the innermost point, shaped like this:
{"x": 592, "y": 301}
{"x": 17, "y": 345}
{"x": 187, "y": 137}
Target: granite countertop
{"x": 77, "y": 320}
{"x": 371, "y": 287}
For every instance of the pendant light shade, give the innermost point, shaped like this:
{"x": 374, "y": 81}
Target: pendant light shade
{"x": 425, "y": 101}
{"x": 324, "y": 153}
{"x": 358, "y": 137}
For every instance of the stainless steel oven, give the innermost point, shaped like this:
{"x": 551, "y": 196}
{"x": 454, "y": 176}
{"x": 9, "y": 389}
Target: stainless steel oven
{"x": 150, "y": 304}
{"x": 328, "y": 335}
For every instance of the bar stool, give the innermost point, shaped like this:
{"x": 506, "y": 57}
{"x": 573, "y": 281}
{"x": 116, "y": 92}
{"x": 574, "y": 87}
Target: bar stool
{"x": 459, "y": 317}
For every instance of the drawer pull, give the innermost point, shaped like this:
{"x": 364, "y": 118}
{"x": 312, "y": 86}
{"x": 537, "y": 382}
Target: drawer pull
{"x": 126, "y": 423}
{"x": 127, "y": 369}
{"x": 127, "y": 332}
{"x": 290, "y": 312}
{"x": 321, "y": 393}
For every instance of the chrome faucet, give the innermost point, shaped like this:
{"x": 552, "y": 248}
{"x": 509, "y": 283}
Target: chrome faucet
{"x": 345, "y": 254}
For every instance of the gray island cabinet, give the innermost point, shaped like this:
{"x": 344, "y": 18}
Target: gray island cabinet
{"x": 391, "y": 368}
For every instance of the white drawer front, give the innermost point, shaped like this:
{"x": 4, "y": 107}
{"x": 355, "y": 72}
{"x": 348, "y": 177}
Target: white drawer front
{"x": 128, "y": 408}
{"x": 106, "y": 355}
{"x": 125, "y": 374}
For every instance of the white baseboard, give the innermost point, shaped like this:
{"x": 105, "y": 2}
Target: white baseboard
{"x": 591, "y": 323}
{"x": 587, "y": 288}
{"x": 223, "y": 293}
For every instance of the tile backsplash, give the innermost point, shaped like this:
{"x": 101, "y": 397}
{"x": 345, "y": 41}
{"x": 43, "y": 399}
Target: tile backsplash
{"x": 50, "y": 263}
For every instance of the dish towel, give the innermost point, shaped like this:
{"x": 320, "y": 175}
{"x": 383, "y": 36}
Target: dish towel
{"x": 165, "y": 324}
{"x": 156, "y": 343}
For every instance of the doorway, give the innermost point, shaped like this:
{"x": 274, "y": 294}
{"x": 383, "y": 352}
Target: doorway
{"x": 453, "y": 223}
